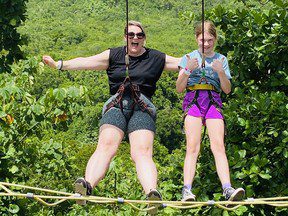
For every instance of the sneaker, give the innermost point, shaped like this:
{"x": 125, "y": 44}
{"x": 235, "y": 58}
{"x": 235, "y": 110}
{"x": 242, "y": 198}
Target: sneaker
{"x": 83, "y": 188}
{"x": 232, "y": 194}
{"x": 187, "y": 195}
{"x": 154, "y": 195}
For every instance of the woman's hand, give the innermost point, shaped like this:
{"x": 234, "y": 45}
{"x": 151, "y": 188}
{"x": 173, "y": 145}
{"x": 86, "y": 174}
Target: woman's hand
{"x": 49, "y": 61}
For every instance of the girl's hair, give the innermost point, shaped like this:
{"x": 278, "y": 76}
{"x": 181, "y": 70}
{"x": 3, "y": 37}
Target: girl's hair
{"x": 208, "y": 27}
{"x": 134, "y": 23}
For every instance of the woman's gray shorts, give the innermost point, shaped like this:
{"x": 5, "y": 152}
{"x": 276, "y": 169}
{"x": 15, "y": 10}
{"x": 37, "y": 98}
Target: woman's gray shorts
{"x": 130, "y": 118}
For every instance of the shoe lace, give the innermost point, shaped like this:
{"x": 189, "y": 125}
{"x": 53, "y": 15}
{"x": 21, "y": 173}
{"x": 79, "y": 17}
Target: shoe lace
{"x": 228, "y": 192}
{"x": 187, "y": 192}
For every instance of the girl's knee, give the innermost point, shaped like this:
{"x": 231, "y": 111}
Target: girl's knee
{"x": 193, "y": 148}
{"x": 217, "y": 147}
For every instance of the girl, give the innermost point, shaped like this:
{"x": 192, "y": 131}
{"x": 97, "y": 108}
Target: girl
{"x": 202, "y": 105}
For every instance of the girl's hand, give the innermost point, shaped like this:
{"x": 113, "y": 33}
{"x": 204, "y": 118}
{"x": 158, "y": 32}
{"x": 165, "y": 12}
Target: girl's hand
{"x": 49, "y": 61}
{"x": 192, "y": 64}
{"x": 217, "y": 66}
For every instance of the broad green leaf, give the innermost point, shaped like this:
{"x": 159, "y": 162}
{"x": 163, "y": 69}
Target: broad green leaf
{"x": 59, "y": 94}
{"x": 265, "y": 176}
{"x": 14, "y": 209}
{"x": 14, "y": 169}
{"x": 73, "y": 92}
{"x": 239, "y": 211}
{"x": 249, "y": 33}
{"x": 241, "y": 121}
{"x": 254, "y": 169}
{"x": 13, "y": 22}
{"x": 279, "y": 3}
{"x": 38, "y": 109}
{"x": 285, "y": 153}
{"x": 225, "y": 213}
{"x": 2, "y": 114}
{"x": 58, "y": 112}
{"x": 258, "y": 18}
{"x": 242, "y": 153}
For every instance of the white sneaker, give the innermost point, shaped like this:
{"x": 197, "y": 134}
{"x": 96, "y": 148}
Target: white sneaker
{"x": 232, "y": 194}
{"x": 187, "y": 195}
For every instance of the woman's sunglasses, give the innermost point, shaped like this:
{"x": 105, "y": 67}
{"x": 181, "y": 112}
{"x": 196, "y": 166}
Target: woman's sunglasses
{"x": 139, "y": 35}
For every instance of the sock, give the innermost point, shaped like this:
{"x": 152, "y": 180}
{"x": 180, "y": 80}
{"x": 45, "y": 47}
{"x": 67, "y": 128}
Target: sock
{"x": 226, "y": 185}
{"x": 188, "y": 186}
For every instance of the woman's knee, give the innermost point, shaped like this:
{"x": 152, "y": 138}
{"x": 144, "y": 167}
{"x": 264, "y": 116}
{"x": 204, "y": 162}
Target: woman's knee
{"x": 107, "y": 147}
{"x": 141, "y": 152}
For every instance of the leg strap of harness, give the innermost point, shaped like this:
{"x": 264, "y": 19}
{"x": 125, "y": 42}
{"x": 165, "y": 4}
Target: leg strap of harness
{"x": 194, "y": 101}
{"x": 135, "y": 90}
{"x": 213, "y": 102}
{"x": 117, "y": 100}
{"x": 136, "y": 97}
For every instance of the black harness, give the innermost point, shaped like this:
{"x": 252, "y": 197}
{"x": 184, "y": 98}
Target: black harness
{"x": 135, "y": 94}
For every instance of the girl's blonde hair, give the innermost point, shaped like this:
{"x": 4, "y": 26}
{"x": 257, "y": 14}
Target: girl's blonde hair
{"x": 208, "y": 27}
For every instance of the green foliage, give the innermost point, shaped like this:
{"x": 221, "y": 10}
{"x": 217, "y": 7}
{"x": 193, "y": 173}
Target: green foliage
{"x": 49, "y": 119}
{"x": 260, "y": 53}
{"x": 24, "y": 122}
{"x": 11, "y": 17}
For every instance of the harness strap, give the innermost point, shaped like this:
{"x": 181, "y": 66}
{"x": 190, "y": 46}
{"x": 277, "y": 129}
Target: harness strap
{"x": 136, "y": 97}
{"x": 194, "y": 101}
{"x": 136, "y": 93}
{"x": 201, "y": 87}
{"x": 118, "y": 99}
{"x": 211, "y": 102}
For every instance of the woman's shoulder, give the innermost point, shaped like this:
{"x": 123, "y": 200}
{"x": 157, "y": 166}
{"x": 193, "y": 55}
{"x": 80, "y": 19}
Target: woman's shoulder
{"x": 154, "y": 51}
{"x": 117, "y": 52}
{"x": 117, "y": 49}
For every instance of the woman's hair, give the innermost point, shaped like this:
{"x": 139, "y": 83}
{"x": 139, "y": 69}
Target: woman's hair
{"x": 208, "y": 27}
{"x": 134, "y": 23}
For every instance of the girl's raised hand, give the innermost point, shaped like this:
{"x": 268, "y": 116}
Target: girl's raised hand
{"x": 217, "y": 65}
{"x": 192, "y": 64}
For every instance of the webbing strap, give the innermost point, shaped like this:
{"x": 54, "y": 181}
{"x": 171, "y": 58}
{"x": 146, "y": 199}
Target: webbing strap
{"x": 136, "y": 93}
{"x": 201, "y": 87}
{"x": 211, "y": 102}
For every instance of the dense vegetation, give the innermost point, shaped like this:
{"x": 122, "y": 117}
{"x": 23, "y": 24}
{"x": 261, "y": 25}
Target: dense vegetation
{"x": 11, "y": 17}
{"x": 49, "y": 119}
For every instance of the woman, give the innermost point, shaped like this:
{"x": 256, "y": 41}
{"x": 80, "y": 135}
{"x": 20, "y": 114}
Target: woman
{"x": 129, "y": 110}
{"x": 202, "y": 105}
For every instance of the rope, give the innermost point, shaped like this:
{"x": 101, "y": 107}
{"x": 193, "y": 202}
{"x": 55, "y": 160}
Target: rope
{"x": 203, "y": 20}
{"x": 64, "y": 196}
{"x": 127, "y": 43}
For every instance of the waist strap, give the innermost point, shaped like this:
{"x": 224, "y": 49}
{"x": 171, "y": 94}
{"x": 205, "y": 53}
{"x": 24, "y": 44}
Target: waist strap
{"x": 201, "y": 87}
